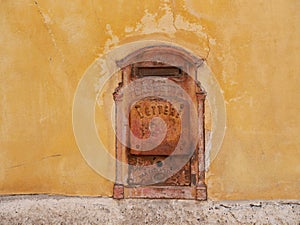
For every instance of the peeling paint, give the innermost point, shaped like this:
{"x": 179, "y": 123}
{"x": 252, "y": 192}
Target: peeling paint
{"x": 112, "y": 41}
{"x": 182, "y": 24}
{"x": 168, "y": 23}
{"x": 251, "y": 47}
{"x": 235, "y": 99}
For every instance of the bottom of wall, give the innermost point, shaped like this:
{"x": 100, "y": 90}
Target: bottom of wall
{"x": 42, "y": 209}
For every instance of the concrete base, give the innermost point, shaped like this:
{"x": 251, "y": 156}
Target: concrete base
{"x": 42, "y": 209}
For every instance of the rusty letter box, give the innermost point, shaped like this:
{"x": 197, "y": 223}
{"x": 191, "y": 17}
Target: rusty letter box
{"x": 160, "y": 134}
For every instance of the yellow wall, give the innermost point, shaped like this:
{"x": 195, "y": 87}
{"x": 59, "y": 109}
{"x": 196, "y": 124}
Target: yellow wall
{"x": 251, "y": 47}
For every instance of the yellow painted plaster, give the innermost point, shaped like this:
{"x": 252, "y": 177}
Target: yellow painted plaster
{"x": 252, "y": 49}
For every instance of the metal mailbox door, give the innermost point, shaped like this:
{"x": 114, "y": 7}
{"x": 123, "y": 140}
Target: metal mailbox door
{"x": 142, "y": 114}
{"x": 162, "y": 162}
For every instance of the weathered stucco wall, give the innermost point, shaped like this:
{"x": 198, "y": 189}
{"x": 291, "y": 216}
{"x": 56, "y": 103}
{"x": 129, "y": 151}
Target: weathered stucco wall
{"x": 252, "y": 49}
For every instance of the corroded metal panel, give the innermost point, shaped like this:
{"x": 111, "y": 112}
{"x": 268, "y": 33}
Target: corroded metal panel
{"x": 139, "y": 175}
{"x": 142, "y": 126}
{"x": 164, "y": 133}
{"x": 173, "y": 192}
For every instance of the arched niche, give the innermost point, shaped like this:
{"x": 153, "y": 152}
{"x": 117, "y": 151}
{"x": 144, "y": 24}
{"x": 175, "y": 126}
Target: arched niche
{"x": 160, "y": 82}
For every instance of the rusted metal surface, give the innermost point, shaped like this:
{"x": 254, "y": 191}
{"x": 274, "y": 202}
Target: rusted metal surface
{"x": 139, "y": 175}
{"x": 173, "y": 192}
{"x": 141, "y": 125}
{"x": 118, "y": 191}
{"x": 172, "y": 168}
{"x": 170, "y": 55}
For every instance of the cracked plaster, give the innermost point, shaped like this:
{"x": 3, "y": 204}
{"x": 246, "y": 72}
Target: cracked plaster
{"x": 251, "y": 48}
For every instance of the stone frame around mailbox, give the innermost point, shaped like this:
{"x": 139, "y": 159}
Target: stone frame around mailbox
{"x": 185, "y": 61}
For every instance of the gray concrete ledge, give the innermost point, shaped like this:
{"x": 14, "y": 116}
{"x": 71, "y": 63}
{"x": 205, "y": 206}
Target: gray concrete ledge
{"x": 43, "y": 209}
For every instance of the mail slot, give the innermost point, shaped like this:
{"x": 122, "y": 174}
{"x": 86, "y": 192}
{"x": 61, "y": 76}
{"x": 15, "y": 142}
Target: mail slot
{"x": 162, "y": 144}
